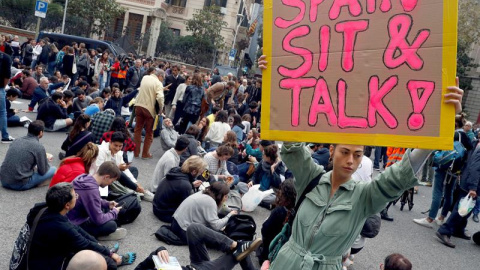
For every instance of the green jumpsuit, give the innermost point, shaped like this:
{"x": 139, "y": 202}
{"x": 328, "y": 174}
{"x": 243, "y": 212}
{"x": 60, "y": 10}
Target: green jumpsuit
{"x": 325, "y": 227}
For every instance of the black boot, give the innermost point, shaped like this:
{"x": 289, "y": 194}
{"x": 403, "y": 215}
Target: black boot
{"x": 384, "y": 215}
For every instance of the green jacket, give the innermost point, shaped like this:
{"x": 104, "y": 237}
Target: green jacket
{"x": 325, "y": 228}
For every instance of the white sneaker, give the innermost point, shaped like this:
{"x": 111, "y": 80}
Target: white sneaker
{"x": 119, "y": 234}
{"x": 439, "y": 222}
{"x": 148, "y": 196}
{"x": 423, "y": 222}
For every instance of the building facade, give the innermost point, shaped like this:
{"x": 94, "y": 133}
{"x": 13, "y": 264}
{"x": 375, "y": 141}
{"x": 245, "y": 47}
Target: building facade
{"x": 143, "y": 20}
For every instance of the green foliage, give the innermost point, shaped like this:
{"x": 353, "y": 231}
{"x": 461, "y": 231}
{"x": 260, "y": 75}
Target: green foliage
{"x": 21, "y": 13}
{"x": 468, "y": 35}
{"x": 95, "y": 15}
{"x": 206, "y": 26}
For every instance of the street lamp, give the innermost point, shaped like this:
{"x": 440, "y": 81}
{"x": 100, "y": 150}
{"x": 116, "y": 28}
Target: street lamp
{"x": 241, "y": 17}
{"x": 64, "y": 16}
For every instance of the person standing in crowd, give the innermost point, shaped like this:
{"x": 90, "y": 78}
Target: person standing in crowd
{"x": 134, "y": 74}
{"x": 469, "y": 186}
{"x": 52, "y": 57}
{"x": 194, "y": 95}
{"x": 23, "y": 156}
{"x": 172, "y": 82}
{"x": 102, "y": 66}
{"x": 27, "y": 52}
{"x": 69, "y": 63}
{"x": 177, "y": 104}
{"x": 150, "y": 94}
{"x": 5, "y": 74}
{"x": 37, "y": 51}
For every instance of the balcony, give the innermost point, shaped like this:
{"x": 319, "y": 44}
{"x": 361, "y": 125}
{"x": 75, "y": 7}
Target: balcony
{"x": 175, "y": 7}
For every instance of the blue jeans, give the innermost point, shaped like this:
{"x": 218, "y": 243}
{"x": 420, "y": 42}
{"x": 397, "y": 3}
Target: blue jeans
{"x": 455, "y": 224}
{"x": 14, "y": 121}
{"x": 438, "y": 190}
{"x": 379, "y": 153}
{"x": 3, "y": 114}
{"x": 38, "y": 95}
{"x": 101, "y": 81}
{"x": 51, "y": 67}
{"x": 35, "y": 180}
{"x": 476, "y": 209}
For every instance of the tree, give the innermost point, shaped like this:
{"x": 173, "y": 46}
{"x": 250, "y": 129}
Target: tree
{"x": 98, "y": 15}
{"x": 206, "y": 25}
{"x": 21, "y": 13}
{"x": 468, "y": 35}
{"x": 166, "y": 39}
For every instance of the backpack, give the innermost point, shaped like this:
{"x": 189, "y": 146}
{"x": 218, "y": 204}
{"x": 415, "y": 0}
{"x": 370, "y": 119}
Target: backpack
{"x": 447, "y": 158}
{"x": 241, "y": 227}
{"x": 165, "y": 234}
{"x": 282, "y": 238}
{"x": 130, "y": 208}
{"x": 20, "y": 254}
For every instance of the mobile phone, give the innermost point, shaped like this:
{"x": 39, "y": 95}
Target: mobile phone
{"x": 120, "y": 204}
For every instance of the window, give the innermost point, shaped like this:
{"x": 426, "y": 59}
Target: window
{"x": 219, "y": 3}
{"x": 176, "y": 32}
{"x": 178, "y": 3}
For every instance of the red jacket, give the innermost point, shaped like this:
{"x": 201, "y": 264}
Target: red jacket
{"x": 69, "y": 169}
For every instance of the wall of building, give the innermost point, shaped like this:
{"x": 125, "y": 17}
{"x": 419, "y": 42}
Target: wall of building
{"x": 471, "y": 101}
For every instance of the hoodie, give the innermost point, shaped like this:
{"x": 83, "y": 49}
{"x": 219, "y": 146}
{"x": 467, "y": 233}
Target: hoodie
{"x": 89, "y": 203}
{"x": 168, "y": 138}
{"x": 171, "y": 192}
{"x": 56, "y": 240}
{"x": 321, "y": 157}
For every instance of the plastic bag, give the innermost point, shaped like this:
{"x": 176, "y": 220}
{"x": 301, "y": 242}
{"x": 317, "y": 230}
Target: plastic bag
{"x": 466, "y": 205}
{"x": 253, "y": 197}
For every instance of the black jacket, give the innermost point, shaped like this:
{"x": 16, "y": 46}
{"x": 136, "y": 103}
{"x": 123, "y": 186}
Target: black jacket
{"x": 171, "y": 192}
{"x": 470, "y": 179}
{"x": 49, "y": 112}
{"x": 270, "y": 228}
{"x": 173, "y": 88}
{"x": 56, "y": 240}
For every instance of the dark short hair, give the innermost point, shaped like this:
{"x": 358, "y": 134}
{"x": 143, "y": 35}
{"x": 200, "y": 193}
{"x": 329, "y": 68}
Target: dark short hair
{"x": 68, "y": 94}
{"x": 106, "y": 90}
{"x": 193, "y": 130}
{"x": 80, "y": 92}
{"x": 397, "y": 261}
{"x": 117, "y": 136}
{"x": 56, "y": 96}
{"x": 36, "y": 127}
{"x": 253, "y": 105}
{"x": 82, "y": 83}
{"x": 59, "y": 195}
{"x": 12, "y": 93}
{"x": 182, "y": 143}
{"x": 265, "y": 143}
{"x": 109, "y": 168}
{"x": 222, "y": 116}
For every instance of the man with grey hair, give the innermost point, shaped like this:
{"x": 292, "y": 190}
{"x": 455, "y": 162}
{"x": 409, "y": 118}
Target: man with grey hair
{"x": 134, "y": 74}
{"x": 150, "y": 94}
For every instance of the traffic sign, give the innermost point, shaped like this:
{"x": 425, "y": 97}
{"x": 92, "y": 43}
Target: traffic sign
{"x": 41, "y": 9}
{"x": 231, "y": 55}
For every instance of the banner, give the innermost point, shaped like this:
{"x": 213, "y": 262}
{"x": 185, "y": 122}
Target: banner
{"x": 366, "y": 72}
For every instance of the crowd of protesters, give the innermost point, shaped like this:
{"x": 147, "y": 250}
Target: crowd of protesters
{"x": 211, "y": 151}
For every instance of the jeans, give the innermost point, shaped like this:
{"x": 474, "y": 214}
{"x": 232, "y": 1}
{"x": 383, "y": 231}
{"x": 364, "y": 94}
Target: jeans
{"x": 51, "y": 67}
{"x": 38, "y": 95}
{"x": 476, "y": 209}
{"x": 178, "y": 231}
{"x": 101, "y": 82}
{"x": 3, "y": 114}
{"x": 99, "y": 230}
{"x": 199, "y": 236}
{"x": 14, "y": 121}
{"x": 427, "y": 172}
{"x": 242, "y": 172}
{"x": 380, "y": 153}
{"x": 35, "y": 180}
{"x": 144, "y": 119}
{"x": 438, "y": 190}
{"x": 455, "y": 224}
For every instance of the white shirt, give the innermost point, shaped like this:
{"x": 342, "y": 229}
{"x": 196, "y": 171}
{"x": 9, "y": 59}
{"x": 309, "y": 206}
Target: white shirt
{"x": 364, "y": 171}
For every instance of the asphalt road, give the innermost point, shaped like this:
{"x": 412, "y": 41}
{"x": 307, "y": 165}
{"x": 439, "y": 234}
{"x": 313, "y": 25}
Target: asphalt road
{"x": 401, "y": 236}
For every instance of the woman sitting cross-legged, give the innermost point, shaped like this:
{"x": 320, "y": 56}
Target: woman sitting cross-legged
{"x": 78, "y": 137}
{"x": 177, "y": 185}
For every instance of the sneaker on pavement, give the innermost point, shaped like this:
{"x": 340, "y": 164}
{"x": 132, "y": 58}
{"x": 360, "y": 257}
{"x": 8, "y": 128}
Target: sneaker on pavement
{"x": 439, "y": 221}
{"x": 119, "y": 234}
{"x": 244, "y": 248}
{"x": 148, "y": 196}
{"x": 423, "y": 222}
{"x": 10, "y": 139}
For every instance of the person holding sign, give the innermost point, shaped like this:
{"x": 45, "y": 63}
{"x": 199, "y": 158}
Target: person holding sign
{"x": 334, "y": 212}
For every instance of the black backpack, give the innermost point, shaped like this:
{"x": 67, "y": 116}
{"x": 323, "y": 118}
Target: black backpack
{"x": 131, "y": 208}
{"x": 241, "y": 227}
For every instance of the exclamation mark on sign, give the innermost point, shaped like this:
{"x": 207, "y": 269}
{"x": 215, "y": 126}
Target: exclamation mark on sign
{"x": 416, "y": 120}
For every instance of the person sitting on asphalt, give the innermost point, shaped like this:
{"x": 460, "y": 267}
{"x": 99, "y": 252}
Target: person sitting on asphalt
{"x": 73, "y": 166}
{"x": 119, "y": 124}
{"x": 396, "y": 261}
{"x": 53, "y": 113}
{"x": 177, "y": 185}
{"x": 192, "y": 133}
{"x": 96, "y": 105}
{"x": 42, "y": 91}
{"x": 13, "y": 120}
{"x": 217, "y": 130}
{"x": 87, "y": 259}
{"x": 169, "y": 160}
{"x": 78, "y": 137}
{"x": 81, "y": 102}
{"x": 112, "y": 150}
{"x": 23, "y": 155}
{"x": 118, "y": 100}
{"x": 168, "y": 136}
{"x": 101, "y": 123}
{"x": 89, "y": 211}
{"x": 201, "y": 208}
{"x": 56, "y": 239}
{"x": 199, "y": 237}
{"x": 270, "y": 173}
